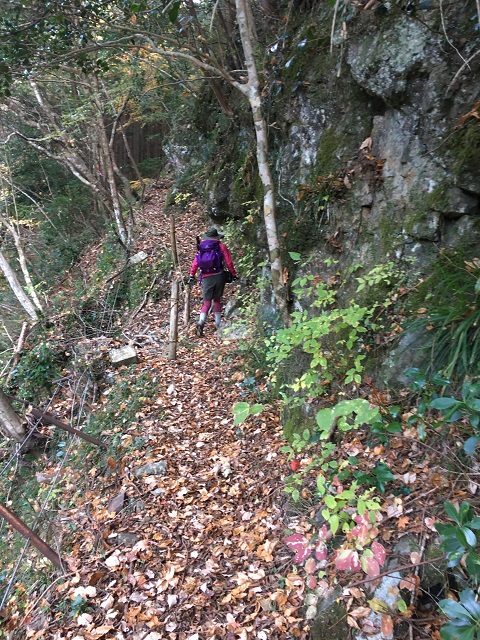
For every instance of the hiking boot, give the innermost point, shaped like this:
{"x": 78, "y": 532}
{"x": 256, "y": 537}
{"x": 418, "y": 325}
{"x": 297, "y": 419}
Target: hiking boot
{"x": 199, "y": 330}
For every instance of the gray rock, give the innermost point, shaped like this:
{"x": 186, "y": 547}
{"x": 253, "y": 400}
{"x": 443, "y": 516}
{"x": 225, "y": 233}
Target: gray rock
{"x": 127, "y": 539}
{"x": 383, "y": 593}
{"x": 427, "y": 227}
{"x": 123, "y": 356}
{"x": 464, "y": 232}
{"x": 116, "y": 504}
{"x": 409, "y": 352}
{"x": 456, "y": 203}
{"x": 331, "y": 620}
{"x": 138, "y": 257}
{"x": 381, "y": 63}
{"x": 406, "y": 545}
{"x": 433, "y": 573}
{"x": 151, "y": 469}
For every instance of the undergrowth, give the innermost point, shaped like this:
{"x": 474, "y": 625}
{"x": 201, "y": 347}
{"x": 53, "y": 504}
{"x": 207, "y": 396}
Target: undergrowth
{"x": 448, "y": 312}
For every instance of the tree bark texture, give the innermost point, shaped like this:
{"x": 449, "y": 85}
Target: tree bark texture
{"x": 17, "y": 288}
{"x": 253, "y": 93}
{"x": 11, "y": 425}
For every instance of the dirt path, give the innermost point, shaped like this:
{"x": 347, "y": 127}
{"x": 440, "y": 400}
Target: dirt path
{"x": 196, "y": 553}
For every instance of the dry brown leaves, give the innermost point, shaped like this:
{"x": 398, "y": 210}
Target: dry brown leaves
{"x": 196, "y": 553}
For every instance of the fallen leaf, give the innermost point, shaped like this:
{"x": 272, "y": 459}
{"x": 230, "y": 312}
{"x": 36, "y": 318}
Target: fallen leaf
{"x": 387, "y": 625}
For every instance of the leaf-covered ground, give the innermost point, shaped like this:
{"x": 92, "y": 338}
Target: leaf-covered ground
{"x": 200, "y": 550}
{"x": 195, "y": 552}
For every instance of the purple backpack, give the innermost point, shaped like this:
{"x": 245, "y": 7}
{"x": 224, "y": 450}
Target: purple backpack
{"x": 209, "y": 257}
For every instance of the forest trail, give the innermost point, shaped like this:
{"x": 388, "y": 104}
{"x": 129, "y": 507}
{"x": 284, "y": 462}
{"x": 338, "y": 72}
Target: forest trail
{"x": 198, "y": 552}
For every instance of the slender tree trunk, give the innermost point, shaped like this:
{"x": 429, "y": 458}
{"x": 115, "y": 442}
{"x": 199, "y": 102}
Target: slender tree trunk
{"x": 110, "y": 175}
{"x": 17, "y": 288}
{"x": 26, "y": 274}
{"x": 13, "y": 229}
{"x": 11, "y": 425}
{"x": 17, "y": 350}
{"x": 253, "y": 93}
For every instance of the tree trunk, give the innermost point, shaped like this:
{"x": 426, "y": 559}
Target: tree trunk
{"x": 253, "y": 93}
{"x": 17, "y": 288}
{"x": 11, "y": 425}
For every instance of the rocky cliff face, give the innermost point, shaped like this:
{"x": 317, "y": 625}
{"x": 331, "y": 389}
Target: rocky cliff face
{"x": 391, "y": 109}
{"x": 375, "y": 141}
{"x": 396, "y": 124}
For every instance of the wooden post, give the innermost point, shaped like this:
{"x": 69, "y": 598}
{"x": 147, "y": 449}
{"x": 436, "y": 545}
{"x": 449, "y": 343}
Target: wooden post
{"x": 172, "y": 348}
{"x": 186, "y": 306}
{"x": 37, "y": 542}
{"x": 173, "y": 242}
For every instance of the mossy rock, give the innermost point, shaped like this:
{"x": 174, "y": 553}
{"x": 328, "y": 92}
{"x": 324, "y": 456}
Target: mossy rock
{"x": 331, "y": 624}
{"x": 436, "y": 572}
{"x": 296, "y": 420}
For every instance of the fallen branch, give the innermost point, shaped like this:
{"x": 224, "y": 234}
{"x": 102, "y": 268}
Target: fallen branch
{"x": 144, "y": 301}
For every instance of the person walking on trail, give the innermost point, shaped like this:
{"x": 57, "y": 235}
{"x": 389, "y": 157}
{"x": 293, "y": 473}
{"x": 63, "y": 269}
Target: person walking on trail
{"x": 216, "y": 267}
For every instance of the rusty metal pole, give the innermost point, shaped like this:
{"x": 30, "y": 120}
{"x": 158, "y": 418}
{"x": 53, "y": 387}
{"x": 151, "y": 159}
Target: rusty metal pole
{"x": 47, "y": 417}
{"x": 27, "y": 533}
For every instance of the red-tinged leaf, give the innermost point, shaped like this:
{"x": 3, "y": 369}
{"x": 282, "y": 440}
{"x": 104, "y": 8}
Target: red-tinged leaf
{"x": 409, "y": 583}
{"x": 311, "y": 582}
{"x": 321, "y": 551}
{"x": 310, "y": 565}
{"x": 294, "y": 465}
{"x": 370, "y": 566}
{"x": 361, "y": 532}
{"x": 387, "y": 625}
{"x": 347, "y": 560}
{"x": 300, "y": 545}
{"x": 324, "y": 533}
{"x": 362, "y": 519}
{"x": 379, "y": 552}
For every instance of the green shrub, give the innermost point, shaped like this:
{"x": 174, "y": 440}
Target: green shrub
{"x": 36, "y": 371}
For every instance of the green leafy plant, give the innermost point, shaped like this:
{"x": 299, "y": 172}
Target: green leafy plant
{"x": 467, "y": 408}
{"x": 378, "y": 476}
{"x": 464, "y": 410}
{"x": 459, "y": 540}
{"x": 333, "y": 339}
{"x": 350, "y": 414}
{"x": 388, "y": 425}
{"x": 242, "y": 410}
{"x": 36, "y": 371}
{"x": 464, "y": 617}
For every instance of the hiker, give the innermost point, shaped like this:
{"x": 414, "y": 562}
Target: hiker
{"x": 216, "y": 268}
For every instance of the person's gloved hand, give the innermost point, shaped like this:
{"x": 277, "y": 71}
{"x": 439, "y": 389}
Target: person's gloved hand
{"x": 190, "y": 281}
